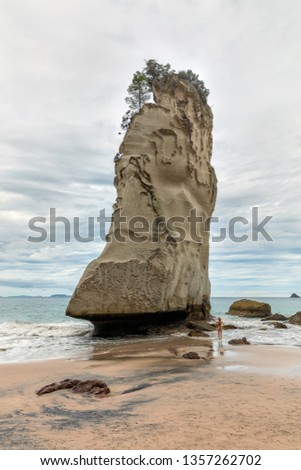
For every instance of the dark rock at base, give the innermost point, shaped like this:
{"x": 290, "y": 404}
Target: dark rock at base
{"x": 205, "y": 326}
{"x": 295, "y": 319}
{"x": 238, "y": 341}
{"x": 276, "y": 316}
{"x": 250, "y": 309}
{"x": 194, "y": 333}
{"x": 191, "y": 355}
{"x": 95, "y": 387}
{"x": 278, "y": 324}
{"x": 146, "y": 324}
{"x": 200, "y": 326}
{"x": 170, "y": 328}
{"x": 295, "y": 296}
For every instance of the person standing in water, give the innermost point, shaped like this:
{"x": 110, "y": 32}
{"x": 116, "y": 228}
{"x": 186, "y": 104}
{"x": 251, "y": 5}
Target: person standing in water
{"x": 219, "y": 325}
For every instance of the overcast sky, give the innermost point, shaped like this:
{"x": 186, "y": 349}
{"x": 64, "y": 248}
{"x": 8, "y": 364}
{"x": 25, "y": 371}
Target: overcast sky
{"x": 65, "y": 67}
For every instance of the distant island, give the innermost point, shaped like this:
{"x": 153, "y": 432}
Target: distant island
{"x": 295, "y": 296}
{"x": 58, "y": 296}
{"x": 53, "y": 296}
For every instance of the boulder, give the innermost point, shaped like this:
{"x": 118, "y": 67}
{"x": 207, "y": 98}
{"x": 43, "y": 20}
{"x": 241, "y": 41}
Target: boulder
{"x": 149, "y": 271}
{"x": 250, "y": 308}
{"x": 198, "y": 334}
{"x": 200, "y": 326}
{"x": 230, "y": 327}
{"x": 278, "y": 325}
{"x": 191, "y": 355}
{"x": 276, "y": 316}
{"x": 238, "y": 341}
{"x": 295, "y": 319}
{"x": 94, "y": 387}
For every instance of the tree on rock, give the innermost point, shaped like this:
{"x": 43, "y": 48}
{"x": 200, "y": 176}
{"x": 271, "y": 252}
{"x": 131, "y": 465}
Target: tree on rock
{"x": 153, "y": 70}
{"x": 138, "y": 91}
{"x": 198, "y": 84}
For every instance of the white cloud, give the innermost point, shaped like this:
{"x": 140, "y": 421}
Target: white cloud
{"x": 66, "y": 65}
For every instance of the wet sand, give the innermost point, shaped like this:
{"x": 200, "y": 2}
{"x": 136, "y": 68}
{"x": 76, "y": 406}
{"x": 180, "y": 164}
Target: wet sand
{"x": 244, "y": 397}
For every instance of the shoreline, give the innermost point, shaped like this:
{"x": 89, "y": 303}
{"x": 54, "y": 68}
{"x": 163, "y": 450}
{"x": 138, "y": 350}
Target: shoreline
{"x": 158, "y": 400}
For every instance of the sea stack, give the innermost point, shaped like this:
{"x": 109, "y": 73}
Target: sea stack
{"x": 154, "y": 267}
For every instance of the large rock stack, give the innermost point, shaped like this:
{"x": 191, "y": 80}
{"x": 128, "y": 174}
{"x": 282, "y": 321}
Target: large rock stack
{"x": 164, "y": 178}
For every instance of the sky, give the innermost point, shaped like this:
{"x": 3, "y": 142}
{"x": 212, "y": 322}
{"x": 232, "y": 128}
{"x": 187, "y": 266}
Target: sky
{"x": 65, "y": 68}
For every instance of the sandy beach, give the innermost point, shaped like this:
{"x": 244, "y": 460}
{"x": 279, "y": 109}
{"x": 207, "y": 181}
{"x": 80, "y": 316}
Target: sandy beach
{"x": 245, "y": 397}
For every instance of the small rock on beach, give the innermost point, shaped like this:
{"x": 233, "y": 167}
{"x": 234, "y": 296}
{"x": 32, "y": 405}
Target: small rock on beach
{"x": 239, "y": 341}
{"x": 191, "y": 355}
{"x": 94, "y": 387}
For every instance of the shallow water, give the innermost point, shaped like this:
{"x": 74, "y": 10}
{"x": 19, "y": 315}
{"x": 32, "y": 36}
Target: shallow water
{"x": 37, "y": 329}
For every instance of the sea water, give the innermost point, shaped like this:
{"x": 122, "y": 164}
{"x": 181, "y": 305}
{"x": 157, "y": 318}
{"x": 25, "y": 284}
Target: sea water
{"x": 37, "y": 328}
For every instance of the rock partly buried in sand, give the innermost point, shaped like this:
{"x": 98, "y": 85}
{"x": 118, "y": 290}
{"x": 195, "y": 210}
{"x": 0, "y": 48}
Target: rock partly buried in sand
{"x": 250, "y": 308}
{"x": 295, "y": 319}
{"x": 238, "y": 341}
{"x": 191, "y": 355}
{"x": 53, "y": 387}
{"x": 278, "y": 324}
{"x": 276, "y": 316}
{"x": 95, "y": 387}
{"x": 164, "y": 172}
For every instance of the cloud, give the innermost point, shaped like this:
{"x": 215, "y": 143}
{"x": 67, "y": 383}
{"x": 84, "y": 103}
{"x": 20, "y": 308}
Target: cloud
{"x": 66, "y": 67}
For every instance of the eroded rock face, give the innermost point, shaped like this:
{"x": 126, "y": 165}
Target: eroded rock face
{"x": 164, "y": 173}
{"x": 250, "y": 308}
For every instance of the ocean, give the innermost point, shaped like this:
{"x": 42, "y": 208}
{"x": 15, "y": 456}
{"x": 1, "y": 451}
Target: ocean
{"x": 33, "y": 329}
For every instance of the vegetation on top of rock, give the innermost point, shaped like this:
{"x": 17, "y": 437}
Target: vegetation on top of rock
{"x": 198, "y": 84}
{"x": 155, "y": 71}
{"x": 140, "y": 89}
